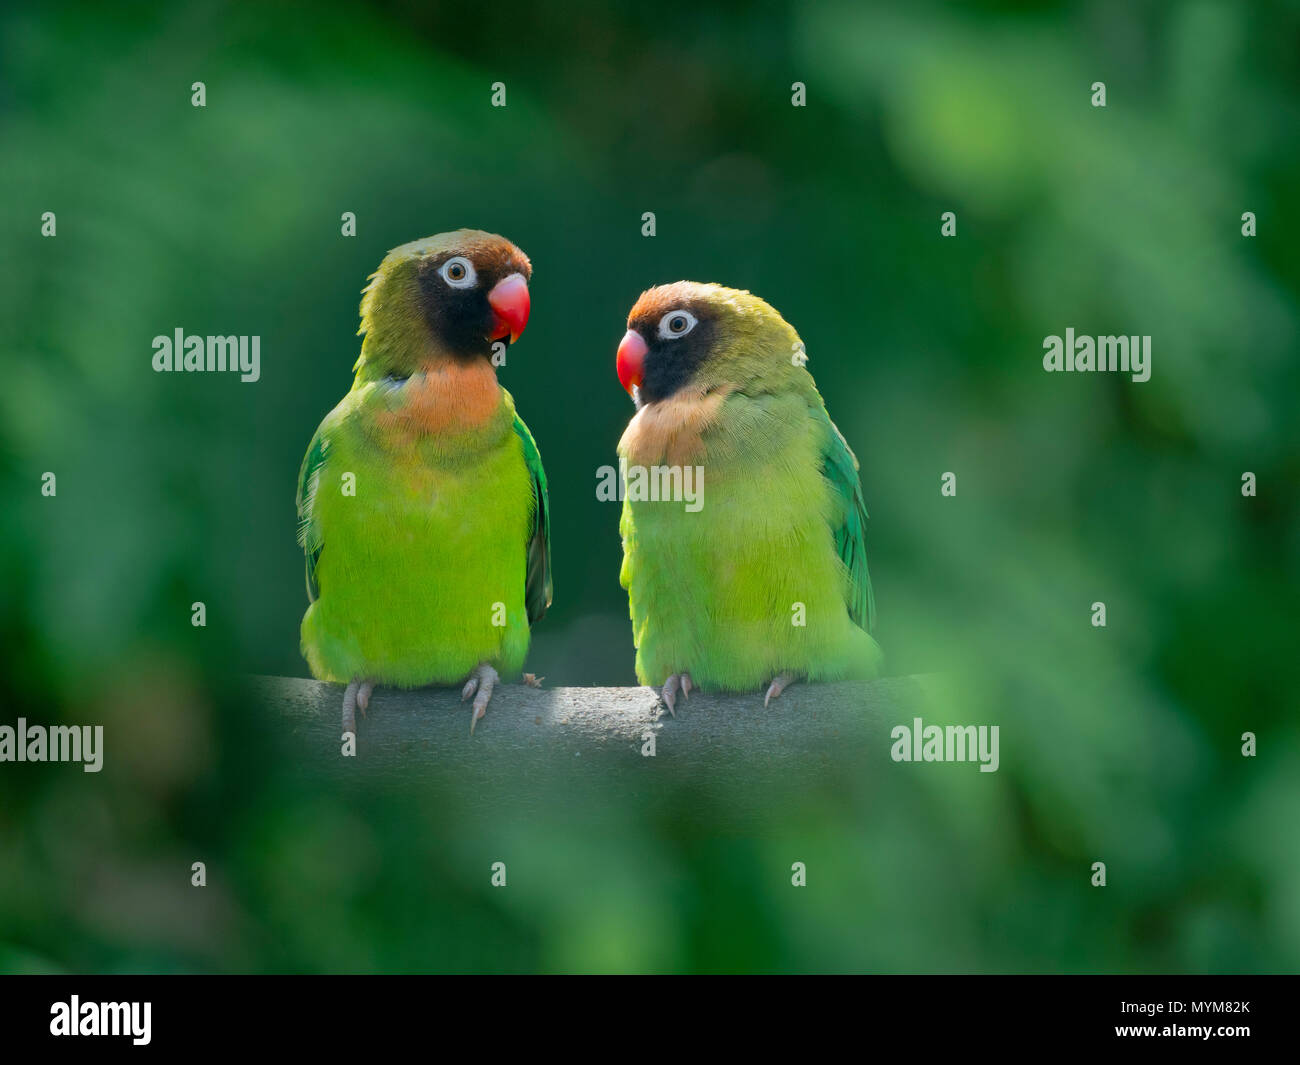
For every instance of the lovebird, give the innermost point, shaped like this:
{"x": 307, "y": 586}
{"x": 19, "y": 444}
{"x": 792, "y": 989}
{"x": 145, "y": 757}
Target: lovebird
{"x": 422, "y": 500}
{"x": 760, "y": 579}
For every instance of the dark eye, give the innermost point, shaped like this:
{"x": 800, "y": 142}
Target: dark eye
{"x": 676, "y": 324}
{"x": 458, "y": 272}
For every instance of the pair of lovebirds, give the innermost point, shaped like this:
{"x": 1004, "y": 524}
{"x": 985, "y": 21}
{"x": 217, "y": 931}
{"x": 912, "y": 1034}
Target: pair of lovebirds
{"x": 424, "y": 513}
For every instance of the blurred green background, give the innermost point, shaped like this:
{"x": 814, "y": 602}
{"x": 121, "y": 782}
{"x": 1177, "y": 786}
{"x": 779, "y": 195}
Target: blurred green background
{"x": 1120, "y": 744}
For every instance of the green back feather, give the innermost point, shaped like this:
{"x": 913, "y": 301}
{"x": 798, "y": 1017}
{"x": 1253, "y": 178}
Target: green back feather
{"x": 537, "y": 581}
{"x": 308, "y": 530}
{"x": 840, "y": 468}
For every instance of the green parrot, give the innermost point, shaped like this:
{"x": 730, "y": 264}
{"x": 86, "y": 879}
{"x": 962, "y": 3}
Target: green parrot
{"x": 761, "y": 578}
{"x": 422, "y": 500}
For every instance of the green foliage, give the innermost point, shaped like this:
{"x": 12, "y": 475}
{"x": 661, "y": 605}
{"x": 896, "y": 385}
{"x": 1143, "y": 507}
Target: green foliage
{"x": 1119, "y": 744}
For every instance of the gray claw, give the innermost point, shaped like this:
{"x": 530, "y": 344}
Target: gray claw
{"x": 670, "y": 689}
{"x": 778, "y": 685}
{"x": 481, "y": 681}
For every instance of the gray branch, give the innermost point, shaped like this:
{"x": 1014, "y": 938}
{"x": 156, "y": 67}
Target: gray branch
{"x": 537, "y": 743}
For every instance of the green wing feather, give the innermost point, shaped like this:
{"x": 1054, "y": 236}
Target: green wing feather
{"x": 308, "y": 531}
{"x": 840, "y": 468}
{"x": 537, "y": 580}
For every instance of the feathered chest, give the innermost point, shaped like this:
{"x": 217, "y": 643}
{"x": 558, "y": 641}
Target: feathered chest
{"x": 447, "y": 404}
{"x": 672, "y": 431}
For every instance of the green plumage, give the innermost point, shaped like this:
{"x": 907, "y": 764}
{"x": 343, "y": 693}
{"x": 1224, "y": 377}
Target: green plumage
{"x": 537, "y": 585}
{"x": 780, "y": 537}
{"x": 440, "y": 560}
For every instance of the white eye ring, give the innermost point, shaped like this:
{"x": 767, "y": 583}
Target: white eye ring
{"x": 458, "y": 264}
{"x": 666, "y": 323}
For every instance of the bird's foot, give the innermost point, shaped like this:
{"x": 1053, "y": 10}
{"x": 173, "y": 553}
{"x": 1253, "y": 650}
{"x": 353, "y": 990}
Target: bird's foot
{"x": 678, "y": 682}
{"x": 357, "y": 697}
{"x": 480, "y": 685}
{"x": 533, "y": 680}
{"x": 778, "y": 685}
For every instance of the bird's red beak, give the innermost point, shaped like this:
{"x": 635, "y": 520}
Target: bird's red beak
{"x": 509, "y": 302}
{"x": 631, "y": 360}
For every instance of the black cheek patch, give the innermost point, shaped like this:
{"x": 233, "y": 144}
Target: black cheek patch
{"x": 459, "y": 318}
{"x": 671, "y": 364}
